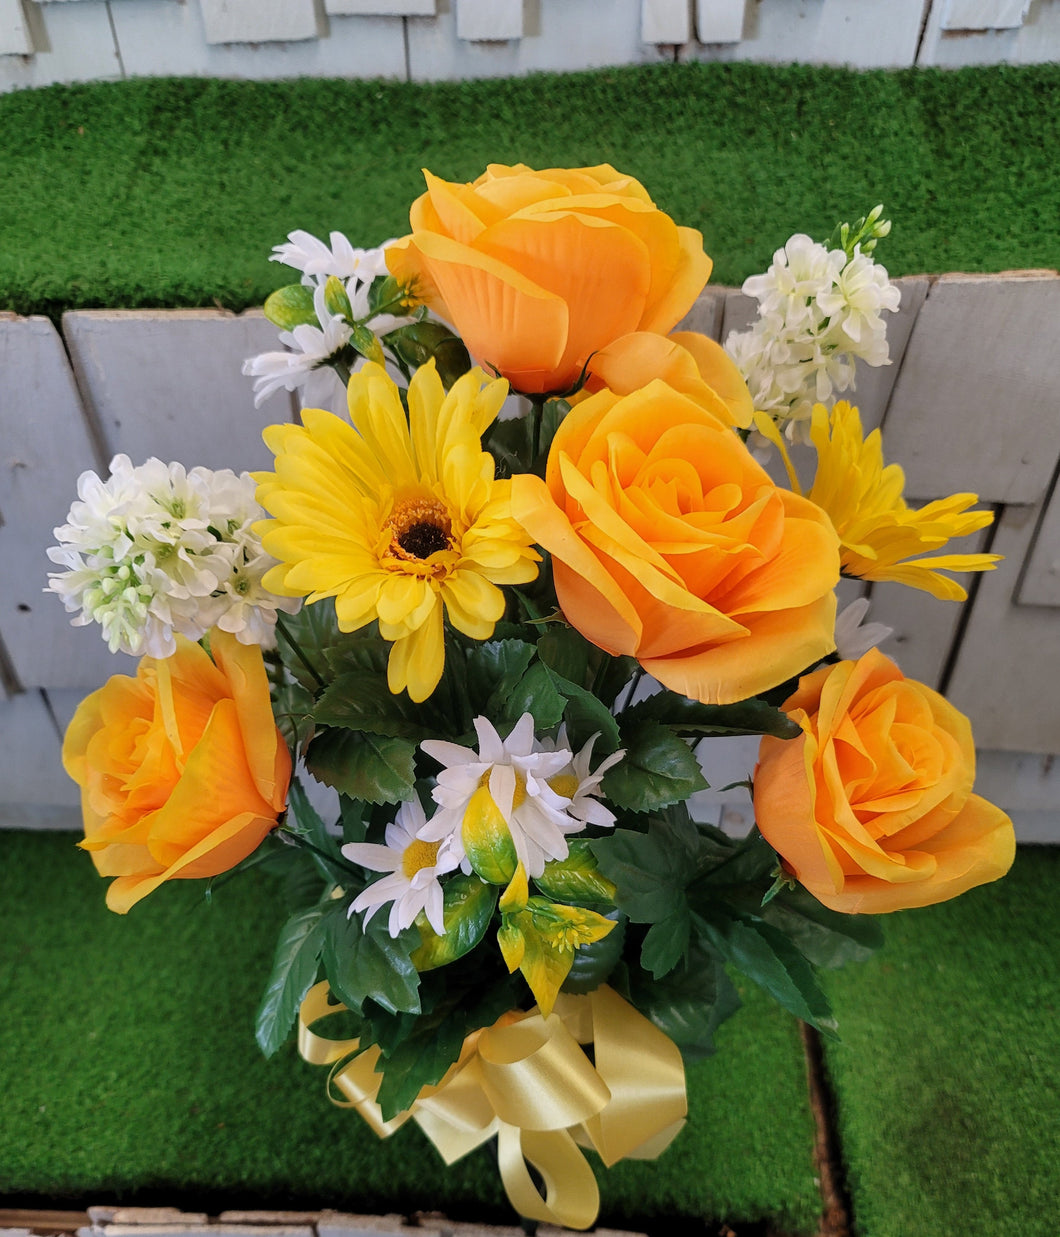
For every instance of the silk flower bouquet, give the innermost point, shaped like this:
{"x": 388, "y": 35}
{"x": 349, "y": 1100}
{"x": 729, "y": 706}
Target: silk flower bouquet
{"x": 500, "y": 630}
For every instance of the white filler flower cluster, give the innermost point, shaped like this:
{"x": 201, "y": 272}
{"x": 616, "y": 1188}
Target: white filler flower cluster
{"x": 311, "y": 350}
{"x": 818, "y": 310}
{"x": 157, "y": 550}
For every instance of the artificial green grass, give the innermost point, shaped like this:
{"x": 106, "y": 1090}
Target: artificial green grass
{"x": 130, "y": 1073}
{"x": 171, "y": 192}
{"x": 946, "y": 1081}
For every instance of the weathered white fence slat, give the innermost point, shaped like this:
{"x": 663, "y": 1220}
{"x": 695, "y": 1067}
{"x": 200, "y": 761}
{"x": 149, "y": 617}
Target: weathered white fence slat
{"x": 980, "y": 368}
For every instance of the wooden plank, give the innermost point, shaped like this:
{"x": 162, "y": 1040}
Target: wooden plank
{"x": 70, "y": 43}
{"x": 162, "y": 39}
{"x": 1040, "y": 584}
{"x": 489, "y": 20}
{"x": 665, "y": 21}
{"x": 972, "y": 409}
{"x": 46, "y": 445}
{"x": 258, "y": 21}
{"x": 34, "y": 790}
{"x": 841, "y": 32}
{"x": 984, "y": 14}
{"x": 706, "y": 314}
{"x": 381, "y": 8}
{"x": 720, "y": 21}
{"x": 1035, "y": 42}
{"x": 168, "y": 383}
{"x": 15, "y": 37}
{"x": 1007, "y": 673}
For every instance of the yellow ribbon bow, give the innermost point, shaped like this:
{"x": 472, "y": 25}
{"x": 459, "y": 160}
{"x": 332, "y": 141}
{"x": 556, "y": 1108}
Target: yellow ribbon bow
{"x": 527, "y": 1080}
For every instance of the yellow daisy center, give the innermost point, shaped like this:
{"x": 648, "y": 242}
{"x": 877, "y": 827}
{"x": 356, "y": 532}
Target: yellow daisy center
{"x": 419, "y": 527}
{"x": 565, "y": 784}
{"x": 418, "y": 855}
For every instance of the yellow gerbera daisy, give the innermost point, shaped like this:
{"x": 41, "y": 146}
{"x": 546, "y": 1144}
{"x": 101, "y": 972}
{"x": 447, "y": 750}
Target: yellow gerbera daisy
{"x": 878, "y": 532}
{"x": 397, "y": 517}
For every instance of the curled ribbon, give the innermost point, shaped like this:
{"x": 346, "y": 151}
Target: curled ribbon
{"x": 527, "y": 1080}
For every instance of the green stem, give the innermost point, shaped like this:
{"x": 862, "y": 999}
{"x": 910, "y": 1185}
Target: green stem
{"x": 537, "y": 412}
{"x": 296, "y": 648}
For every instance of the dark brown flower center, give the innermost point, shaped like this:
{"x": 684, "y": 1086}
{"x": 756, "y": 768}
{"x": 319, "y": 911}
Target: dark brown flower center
{"x": 423, "y": 539}
{"x": 420, "y": 527}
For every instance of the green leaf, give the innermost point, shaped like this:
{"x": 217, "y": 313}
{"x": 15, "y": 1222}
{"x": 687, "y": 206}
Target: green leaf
{"x": 419, "y": 342}
{"x": 493, "y": 670}
{"x": 290, "y": 307}
{"x": 576, "y": 879}
{"x": 658, "y": 769}
{"x": 306, "y": 820}
{"x": 361, "y": 700}
{"x": 357, "y": 650}
{"x": 354, "y": 818}
{"x": 363, "y": 963}
{"x": 375, "y": 768}
{"x": 651, "y": 870}
{"x": 692, "y": 718}
{"x": 766, "y": 955}
{"x": 294, "y": 972}
{"x": 509, "y": 444}
{"x": 365, "y": 342}
{"x": 314, "y": 628}
{"x": 292, "y": 707}
{"x": 336, "y": 298}
{"x": 467, "y": 907}
{"x": 569, "y": 654}
{"x": 428, "y": 1045}
{"x": 688, "y": 1004}
{"x": 535, "y": 693}
{"x": 826, "y": 937}
{"x": 593, "y": 963}
{"x": 666, "y": 942}
{"x": 586, "y": 715}
{"x": 384, "y": 290}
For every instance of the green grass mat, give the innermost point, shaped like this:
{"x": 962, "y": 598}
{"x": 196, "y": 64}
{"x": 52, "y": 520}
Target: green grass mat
{"x": 172, "y": 192}
{"x": 947, "y": 1078}
{"x": 129, "y": 1072}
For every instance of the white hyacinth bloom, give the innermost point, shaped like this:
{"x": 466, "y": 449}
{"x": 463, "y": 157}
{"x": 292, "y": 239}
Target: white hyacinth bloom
{"x": 544, "y": 792}
{"x": 818, "y": 311}
{"x": 414, "y": 866}
{"x": 157, "y": 551}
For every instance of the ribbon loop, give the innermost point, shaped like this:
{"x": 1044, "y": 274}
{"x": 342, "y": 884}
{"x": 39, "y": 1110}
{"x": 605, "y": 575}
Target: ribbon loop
{"x": 527, "y": 1079}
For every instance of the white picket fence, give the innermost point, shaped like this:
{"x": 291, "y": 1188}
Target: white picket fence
{"x": 45, "y": 41}
{"x": 969, "y": 404}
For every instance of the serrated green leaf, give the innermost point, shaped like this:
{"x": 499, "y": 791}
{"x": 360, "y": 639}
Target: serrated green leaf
{"x": 765, "y": 955}
{"x": 294, "y": 972}
{"x": 493, "y": 670}
{"x": 363, "y": 963}
{"x": 420, "y": 342}
{"x": 577, "y": 878}
{"x": 375, "y": 768}
{"x": 292, "y": 707}
{"x": 467, "y": 907}
{"x": 357, "y": 651}
{"x": 314, "y": 629}
{"x": 354, "y": 818}
{"x": 651, "y": 870}
{"x": 586, "y": 715}
{"x": 666, "y": 942}
{"x": 658, "y": 769}
{"x": 690, "y": 717}
{"x": 593, "y": 963}
{"x": 535, "y": 693}
{"x": 290, "y": 307}
{"x": 361, "y": 700}
{"x": 688, "y": 1004}
{"x": 428, "y": 1045}
{"x": 826, "y": 937}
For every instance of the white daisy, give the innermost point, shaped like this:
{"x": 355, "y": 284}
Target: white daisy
{"x": 306, "y": 253}
{"x": 414, "y": 866}
{"x": 311, "y": 351}
{"x": 580, "y": 784}
{"x": 527, "y": 781}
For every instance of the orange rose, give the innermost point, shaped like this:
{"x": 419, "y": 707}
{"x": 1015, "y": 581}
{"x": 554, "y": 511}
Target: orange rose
{"x": 182, "y": 770}
{"x": 670, "y": 543}
{"x": 537, "y": 270}
{"x": 689, "y": 362}
{"x": 871, "y": 807}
